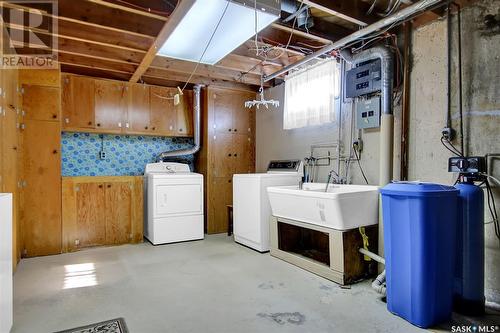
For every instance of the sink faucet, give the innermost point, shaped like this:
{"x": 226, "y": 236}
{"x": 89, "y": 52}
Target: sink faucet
{"x": 333, "y": 177}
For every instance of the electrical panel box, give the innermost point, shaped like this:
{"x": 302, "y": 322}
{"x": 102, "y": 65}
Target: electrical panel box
{"x": 364, "y": 79}
{"x": 368, "y": 112}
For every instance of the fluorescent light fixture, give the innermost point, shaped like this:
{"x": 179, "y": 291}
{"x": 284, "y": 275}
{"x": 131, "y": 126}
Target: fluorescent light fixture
{"x": 193, "y": 30}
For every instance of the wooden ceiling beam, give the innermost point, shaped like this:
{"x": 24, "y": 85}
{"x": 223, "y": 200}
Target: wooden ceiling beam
{"x": 94, "y": 72}
{"x": 247, "y": 64}
{"x": 353, "y": 11}
{"x": 111, "y": 18}
{"x": 300, "y": 33}
{"x": 104, "y": 35}
{"x": 208, "y": 71}
{"x": 130, "y": 9}
{"x": 88, "y": 25}
{"x": 172, "y": 76}
{"x": 77, "y": 59}
{"x": 167, "y": 29}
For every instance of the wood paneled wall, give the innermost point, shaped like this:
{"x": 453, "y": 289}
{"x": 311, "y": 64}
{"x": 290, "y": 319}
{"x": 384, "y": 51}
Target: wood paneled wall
{"x": 10, "y": 149}
{"x": 41, "y": 162}
{"x": 228, "y": 147}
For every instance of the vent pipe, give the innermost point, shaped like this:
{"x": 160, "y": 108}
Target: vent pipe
{"x": 388, "y": 22}
{"x": 197, "y": 129}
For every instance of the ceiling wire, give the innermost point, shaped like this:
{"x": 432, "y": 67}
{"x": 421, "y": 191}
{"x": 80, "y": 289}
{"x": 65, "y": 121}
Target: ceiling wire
{"x": 206, "y": 47}
{"x": 201, "y": 57}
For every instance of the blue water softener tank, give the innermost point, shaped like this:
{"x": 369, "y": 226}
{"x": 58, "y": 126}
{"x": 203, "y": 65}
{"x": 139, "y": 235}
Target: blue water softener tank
{"x": 419, "y": 248}
{"x": 469, "y": 267}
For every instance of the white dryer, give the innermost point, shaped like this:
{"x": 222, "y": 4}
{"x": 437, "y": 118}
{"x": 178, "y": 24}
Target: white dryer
{"x": 251, "y": 207}
{"x": 173, "y": 203}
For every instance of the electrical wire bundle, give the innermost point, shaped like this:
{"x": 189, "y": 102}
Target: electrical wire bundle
{"x": 492, "y": 208}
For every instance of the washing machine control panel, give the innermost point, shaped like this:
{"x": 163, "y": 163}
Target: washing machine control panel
{"x": 285, "y": 166}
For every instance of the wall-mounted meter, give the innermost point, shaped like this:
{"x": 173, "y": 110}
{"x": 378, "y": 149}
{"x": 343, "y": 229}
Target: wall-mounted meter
{"x": 364, "y": 79}
{"x": 368, "y": 112}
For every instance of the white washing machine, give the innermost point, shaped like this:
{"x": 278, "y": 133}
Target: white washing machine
{"x": 251, "y": 208}
{"x": 173, "y": 203}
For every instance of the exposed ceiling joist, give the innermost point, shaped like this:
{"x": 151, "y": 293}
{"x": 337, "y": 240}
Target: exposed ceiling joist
{"x": 186, "y": 67}
{"x": 160, "y": 74}
{"x": 86, "y": 11}
{"x": 300, "y": 33}
{"x": 85, "y": 23}
{"x": 129, "y": 9}
{"x": 352, "y": 10}
{"x": 167, "y": 29}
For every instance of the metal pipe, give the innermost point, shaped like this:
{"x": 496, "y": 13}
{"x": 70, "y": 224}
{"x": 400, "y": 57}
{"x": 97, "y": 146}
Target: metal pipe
{"x": 339, "y": 127}
{"x": 197, "y": 129}
{"x": 387, "y": 22}
{"x": 372, "y": 255}
{"x": 405, "y": 112}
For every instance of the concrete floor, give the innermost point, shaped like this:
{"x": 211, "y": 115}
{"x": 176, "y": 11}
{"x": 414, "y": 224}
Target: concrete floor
{"x": 212, "y": 285}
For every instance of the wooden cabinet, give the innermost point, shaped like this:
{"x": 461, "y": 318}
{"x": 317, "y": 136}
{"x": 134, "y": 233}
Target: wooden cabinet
{"x": 41, "y": 103}
{"x": 78, "y": 102}
{"x": 10, "y": 150}
{"x": 111, "y": 105}
{"x": 139, "y": 108}
{"x": 107, "y": 106}
{"x": 101, "y": 211}
{"x": 41, "y": 163}
{"x": 184, "y": 113}
{"x": 41, "y": 189}
{"x": 227, "y": 148}
{"x": 163, "y": 111}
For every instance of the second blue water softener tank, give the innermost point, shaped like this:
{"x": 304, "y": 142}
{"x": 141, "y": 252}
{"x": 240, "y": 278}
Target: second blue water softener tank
{"x": 419, "y": 241}
{"x": 469, "y": 266}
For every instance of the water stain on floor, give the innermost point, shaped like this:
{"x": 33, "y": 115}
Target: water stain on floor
{"x": 270, "y": 285}
{"x": 282, "y": 318}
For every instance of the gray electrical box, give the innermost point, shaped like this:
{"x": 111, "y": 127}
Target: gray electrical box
{"x": 364, "y": 79}
{"x": 368, "y": 112}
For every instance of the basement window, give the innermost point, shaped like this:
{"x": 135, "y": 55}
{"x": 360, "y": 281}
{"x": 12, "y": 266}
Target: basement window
{"x": 312, "y": 95}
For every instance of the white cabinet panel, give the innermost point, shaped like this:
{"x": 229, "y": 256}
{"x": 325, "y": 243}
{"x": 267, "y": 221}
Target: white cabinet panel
{"x": 5, "y": 262}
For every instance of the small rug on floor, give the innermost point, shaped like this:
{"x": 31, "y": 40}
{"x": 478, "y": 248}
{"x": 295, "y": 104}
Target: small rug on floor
{"x": 109, "y": 326}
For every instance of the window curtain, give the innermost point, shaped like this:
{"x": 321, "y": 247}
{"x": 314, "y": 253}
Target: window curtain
{"x": 310, "y": 95}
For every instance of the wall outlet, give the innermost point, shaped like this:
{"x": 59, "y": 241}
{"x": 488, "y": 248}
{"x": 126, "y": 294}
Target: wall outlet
{"x": 102, "y": 155}
{"x": 358, "y": 145}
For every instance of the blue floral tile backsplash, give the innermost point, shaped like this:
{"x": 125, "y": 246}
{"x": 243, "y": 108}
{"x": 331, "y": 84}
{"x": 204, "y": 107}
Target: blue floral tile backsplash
{"x": 126, "y": 155}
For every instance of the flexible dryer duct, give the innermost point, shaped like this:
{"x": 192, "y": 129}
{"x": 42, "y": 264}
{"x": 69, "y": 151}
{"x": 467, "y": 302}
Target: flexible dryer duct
{"x": 197, "y": 129}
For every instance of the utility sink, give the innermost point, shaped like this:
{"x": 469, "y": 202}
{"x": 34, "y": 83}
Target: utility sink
{"x": 343, "y": 207}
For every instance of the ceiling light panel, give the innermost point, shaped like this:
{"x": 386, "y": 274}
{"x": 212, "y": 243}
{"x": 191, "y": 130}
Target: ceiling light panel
{"x": 191, "y": 36}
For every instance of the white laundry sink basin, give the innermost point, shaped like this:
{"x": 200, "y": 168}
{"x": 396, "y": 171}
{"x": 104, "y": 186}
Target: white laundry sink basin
{"x": 343, "y": 207}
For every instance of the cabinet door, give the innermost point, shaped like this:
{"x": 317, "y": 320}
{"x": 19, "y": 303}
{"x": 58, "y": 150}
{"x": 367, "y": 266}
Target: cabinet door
{"x": 111, "y": 102}
{"x": 220, "y": 195}
{"x": 118, "y": 212}
{"x": 77, "y": 101}
{"x": 185, "y": 114}
{"x": 138, "y": 112}
{"x": 41, "y": 194}
{"x": 41, "y": 103}
{"x": 222, "y": 155}
{"x": 222, "y": 104}
{"x": 243, "y": 117}
{"x": 10, "y": 150}
{"x": 163, "y": 112}
{"x": 243, "y": 155}
{"x": 90, "y": 214}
